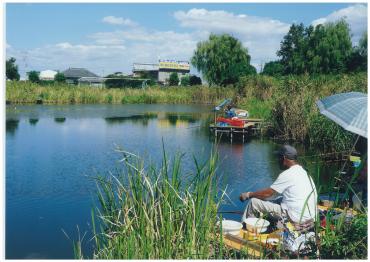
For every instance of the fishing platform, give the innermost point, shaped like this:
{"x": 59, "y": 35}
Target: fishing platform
{"x": 237, "y": 126}
{"x": 251, "y": 127}
{"x": 261, "y": 246}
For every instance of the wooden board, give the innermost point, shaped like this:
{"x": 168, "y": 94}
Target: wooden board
{"x": 254, "y": 245}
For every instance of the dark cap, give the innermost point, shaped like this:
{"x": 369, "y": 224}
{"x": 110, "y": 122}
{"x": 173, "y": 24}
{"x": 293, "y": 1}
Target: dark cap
{"x": 288, "y": 151}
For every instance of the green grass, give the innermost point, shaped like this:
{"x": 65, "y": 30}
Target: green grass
{"x": 149, "y": 213}
{"x": 288, "y": 104}
{"x": 29, "y": 93}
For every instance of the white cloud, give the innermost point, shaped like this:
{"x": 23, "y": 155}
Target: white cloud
{"x": 118, "y": 21}
{"x": 356, "y": 17}
{"x": 97, "y": 58}
{"x": 113, "y": 51}
{"x": 222, "y": 21}
{"x": 261, "y": 35}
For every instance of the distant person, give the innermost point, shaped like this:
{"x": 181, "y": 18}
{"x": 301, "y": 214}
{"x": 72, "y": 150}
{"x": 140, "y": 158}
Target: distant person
{"x": 299, "y": 196}
{"x": 230, "y": 113}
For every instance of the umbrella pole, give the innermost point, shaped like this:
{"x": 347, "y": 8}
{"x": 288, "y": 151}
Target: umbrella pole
{"x": 345, "y": 163}
{"x": 350, "y": 152}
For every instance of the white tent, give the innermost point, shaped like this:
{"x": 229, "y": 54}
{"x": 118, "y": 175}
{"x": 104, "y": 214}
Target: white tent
{"x": 47, "y": 75}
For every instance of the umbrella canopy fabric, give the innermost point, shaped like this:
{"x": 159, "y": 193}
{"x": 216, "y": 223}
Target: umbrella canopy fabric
{"x": 349, "y": 110}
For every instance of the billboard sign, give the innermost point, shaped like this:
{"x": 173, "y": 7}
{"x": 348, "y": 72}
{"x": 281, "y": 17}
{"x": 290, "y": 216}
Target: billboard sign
{"x": 171, "y": 64}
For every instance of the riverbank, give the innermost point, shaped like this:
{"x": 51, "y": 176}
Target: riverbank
{"x": 287, "y": 104}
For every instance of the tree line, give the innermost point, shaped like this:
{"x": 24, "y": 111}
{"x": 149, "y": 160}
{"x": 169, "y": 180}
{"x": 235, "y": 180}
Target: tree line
{"x": 324, "y": 49}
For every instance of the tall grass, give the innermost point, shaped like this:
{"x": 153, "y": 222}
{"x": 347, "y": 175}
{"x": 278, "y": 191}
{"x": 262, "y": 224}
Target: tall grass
{"x": 288, "y": 103}
{"x": 26, "y": 92}
{"x": 149, "y": 213}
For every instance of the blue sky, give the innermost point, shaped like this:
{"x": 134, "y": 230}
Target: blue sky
{"x": 106, "y": 38}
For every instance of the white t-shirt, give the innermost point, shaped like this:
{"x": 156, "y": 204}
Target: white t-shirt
{"x": 296, "y": 187}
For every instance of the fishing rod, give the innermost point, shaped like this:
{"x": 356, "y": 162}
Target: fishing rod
{"x": 231, "y": 212}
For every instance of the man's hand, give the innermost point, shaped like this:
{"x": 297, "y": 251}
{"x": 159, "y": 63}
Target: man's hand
{"x": 244, "y": 196}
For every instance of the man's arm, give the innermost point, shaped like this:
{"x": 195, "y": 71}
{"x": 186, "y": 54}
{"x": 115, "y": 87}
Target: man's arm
{"x": 261, "y": 194}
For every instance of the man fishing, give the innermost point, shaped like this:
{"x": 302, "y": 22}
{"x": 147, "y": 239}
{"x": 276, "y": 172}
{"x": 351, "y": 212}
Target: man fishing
{"x": 299, "y": 196}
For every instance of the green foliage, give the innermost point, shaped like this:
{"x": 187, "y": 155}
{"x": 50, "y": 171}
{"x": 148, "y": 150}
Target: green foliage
{"x": 222, "y": 59}
{"x": 327, "y": 135}
{"x": 195, "y": 80}
{"x": 185, "y": 80}
{"x": 153, "y": 213}
{"x": 330, "y": 47}
{"x": 12, "y": 69}
{"x": 288, "y": 104}
{"x": 123, "y": 83}
{"x": 59, "y": 77}
{"x": 149, "y": 75}
{"x": 250, "y": 70}
{"x": 324, "y": 49}
{"x": 33, "y": 76}
{"x": 358, "y": 59}
{"x": 56, "y": 93}
{"x": 293, "y": 48}
{"x": 273, "y": 68}
{"x": 349, "y": 241}
{"x": 174, "y": 79}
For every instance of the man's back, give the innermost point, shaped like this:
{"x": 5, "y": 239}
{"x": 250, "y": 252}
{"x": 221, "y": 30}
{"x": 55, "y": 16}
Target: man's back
{"x": 299, "y": 193}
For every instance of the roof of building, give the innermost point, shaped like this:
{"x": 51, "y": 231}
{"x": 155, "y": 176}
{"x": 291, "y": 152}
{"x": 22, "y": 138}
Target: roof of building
{"x": 78, "y": 73}
{"x": 145, "y": 67}
{"x": 92, "y": 79}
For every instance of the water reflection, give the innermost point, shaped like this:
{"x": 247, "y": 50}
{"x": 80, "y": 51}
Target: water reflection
{"x": 188, "y": 118}
{"x": 11, "y": 126}
{"x": 139, "y": 118}
{"x": 33, "y": 121}
{"x": 59, "y": 119}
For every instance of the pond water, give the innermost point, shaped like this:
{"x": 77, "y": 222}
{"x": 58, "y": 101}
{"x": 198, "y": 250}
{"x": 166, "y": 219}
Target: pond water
{"x": 53, "y": 152}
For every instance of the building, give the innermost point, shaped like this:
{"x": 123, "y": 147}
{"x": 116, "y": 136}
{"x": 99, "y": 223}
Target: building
{"x": 145, "y": 70}
{"x": 72, "y": 75}
{"x": 167, "y": 67}
{"x": 161, "y": 71}
{"x": 47, "y": 75}
{"x": 92, "y": 81}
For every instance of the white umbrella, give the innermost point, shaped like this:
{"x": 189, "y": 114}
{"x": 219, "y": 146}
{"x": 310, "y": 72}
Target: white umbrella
{"x": 349, "y": 110}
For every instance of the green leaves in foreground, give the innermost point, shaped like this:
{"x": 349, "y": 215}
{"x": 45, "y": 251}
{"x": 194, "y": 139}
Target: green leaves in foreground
{"x": 152, "y": 213}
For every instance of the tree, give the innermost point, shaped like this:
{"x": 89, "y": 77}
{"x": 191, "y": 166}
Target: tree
{"x": 185, "y": 80}
{"x": 358, "y": 58}
{"x": 322, "y": 49}
{"x": 221, "y": 59}
{"x": 195, "y": 80}
{"x": 12, "y": 69}
{"x": 59, "y": 77}
{"x": 273, "y": 68}
{"x": 330, "y": 47}
{"x": 174, "y": 79}
{"x": 251, "y": 70}
{"x": 33, "y": 76}
{"x": 293, "y": 49}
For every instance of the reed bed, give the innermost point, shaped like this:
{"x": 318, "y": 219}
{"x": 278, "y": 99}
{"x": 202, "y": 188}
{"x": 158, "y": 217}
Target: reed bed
{"x": 288, "y": 104}
{"x": 149, "y": 213}
{"x": 30, "y": 93}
